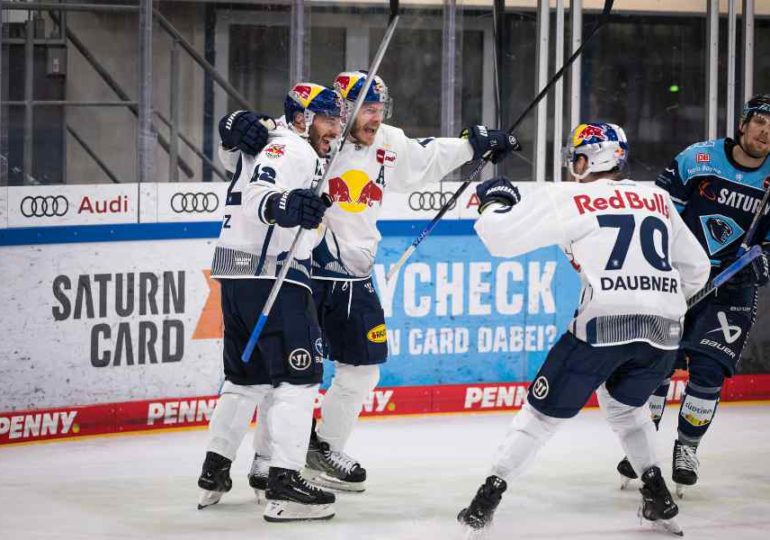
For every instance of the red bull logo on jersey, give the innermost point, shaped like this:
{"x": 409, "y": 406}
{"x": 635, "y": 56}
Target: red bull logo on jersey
{"x": 589, "y": 134}
{"x": 354, "y": 191}
{"x": 620, "y": 200}
{"x": 275, "y": 150}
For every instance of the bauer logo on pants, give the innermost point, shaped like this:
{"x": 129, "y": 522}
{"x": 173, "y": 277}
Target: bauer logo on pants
{"x": 540, "y": 388}
{"x": 300, "y": 359}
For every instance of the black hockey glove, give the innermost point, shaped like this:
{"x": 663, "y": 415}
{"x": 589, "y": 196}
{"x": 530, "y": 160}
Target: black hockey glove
{"x": 755, "y": 274}
{"x": 497, "y": 190}
{"x": 491, "y": 144}
{"x": 299, "y": 207}
{"x": 246, "y": 131}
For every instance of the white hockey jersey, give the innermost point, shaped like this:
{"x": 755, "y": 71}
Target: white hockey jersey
{"x": 358, "y": 180}
{"x": 248, "y": 246}
{"x": 638, "y": 262}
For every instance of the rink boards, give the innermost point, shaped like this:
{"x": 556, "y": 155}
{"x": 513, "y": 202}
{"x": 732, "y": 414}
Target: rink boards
{"x": 112, "y": 323}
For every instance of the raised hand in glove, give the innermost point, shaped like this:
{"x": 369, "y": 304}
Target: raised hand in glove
{"x": 246, "y": 131}
{"x": 491, "y": 144}
{"x": 497, "y": 190}
{"x": 299, "y": 207}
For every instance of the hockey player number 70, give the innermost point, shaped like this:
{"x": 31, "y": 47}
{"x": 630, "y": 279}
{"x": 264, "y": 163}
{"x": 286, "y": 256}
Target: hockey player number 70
{"x": 626, "y": 223}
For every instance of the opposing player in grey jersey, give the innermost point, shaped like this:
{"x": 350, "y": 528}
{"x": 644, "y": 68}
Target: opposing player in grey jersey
{"x": 638, "y": 264}
{"x": 270, "y": 197}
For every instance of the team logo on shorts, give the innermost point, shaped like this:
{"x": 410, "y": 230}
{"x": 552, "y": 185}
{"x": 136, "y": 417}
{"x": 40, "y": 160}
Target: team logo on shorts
{"x": 540, "y": 388}
{"x": 378, "y": 334}
{"x": 300, "y": 359}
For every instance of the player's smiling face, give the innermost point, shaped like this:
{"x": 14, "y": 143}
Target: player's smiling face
{"x": 323, "y": 131}
{"x": 368, "y": 121}
{"x": 755, "y": 139}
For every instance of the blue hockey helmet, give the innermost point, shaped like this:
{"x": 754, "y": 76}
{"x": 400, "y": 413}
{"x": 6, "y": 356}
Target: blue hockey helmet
{"x": 311, "y": 99}
{"x": 350, "y": 83}
{"x": 603, "y": 145}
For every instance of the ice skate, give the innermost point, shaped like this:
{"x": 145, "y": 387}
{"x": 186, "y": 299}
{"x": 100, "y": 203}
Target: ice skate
{"x": 658, "y": 507}
{"x": 627, "y": 473}
{"x": 332, "y": 469}
{"x": 214, "y": 479}
{"x": 290, "y": 498}
{"x": 685, "y": 467}
{"x": 257, "y": 476}
{"x": 477, "y": 517}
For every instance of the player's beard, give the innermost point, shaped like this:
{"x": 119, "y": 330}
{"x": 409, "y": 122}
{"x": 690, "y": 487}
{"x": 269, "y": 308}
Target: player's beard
{"x": 321, "y": 142}
{"x": 364, "y": 134}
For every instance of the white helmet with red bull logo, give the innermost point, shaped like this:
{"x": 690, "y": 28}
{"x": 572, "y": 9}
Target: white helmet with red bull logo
{"x": 350, "y": 83}
{"x": 603, "y": 145}
{"x": 311, "y": 99}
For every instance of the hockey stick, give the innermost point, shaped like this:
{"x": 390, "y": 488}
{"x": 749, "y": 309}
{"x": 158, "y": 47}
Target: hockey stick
{"x": 746, "y": 254}
{"x": 725, "y": 275}
{"x": 482, "y": 163}
{"x": 254, "y": 337}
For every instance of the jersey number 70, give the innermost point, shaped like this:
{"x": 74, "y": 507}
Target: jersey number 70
{"x": 626, "y": 223}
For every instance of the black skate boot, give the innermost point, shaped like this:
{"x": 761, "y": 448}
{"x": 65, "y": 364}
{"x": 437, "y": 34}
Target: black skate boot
{"x": 627, "y": 472}
{"x": 214, "y": 479}
{"x": 257, "y": 476}
{"x": 685, "y": 467}
{"x": 658, "y": 506}
{"x": 291, "y": 498}
{"x": 332, "y": 469}
{"x": 479, "y": 513}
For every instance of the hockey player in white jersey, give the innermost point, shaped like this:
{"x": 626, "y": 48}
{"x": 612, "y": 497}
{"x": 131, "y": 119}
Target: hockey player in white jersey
{"x": 638, "y": 264}
{"x": 270, "y": 197}
{"x": 378, "y": 157}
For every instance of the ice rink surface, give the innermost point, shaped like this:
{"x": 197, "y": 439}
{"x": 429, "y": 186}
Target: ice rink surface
{"x": 422, "y": 471}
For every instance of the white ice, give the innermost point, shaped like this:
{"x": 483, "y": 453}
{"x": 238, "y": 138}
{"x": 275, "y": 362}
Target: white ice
{"x": 422, "y": 471}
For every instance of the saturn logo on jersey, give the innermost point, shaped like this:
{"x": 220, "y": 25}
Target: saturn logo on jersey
{"x": 540, "y": 388}
{"x": 353, "y": 191}
{"x": 300, "y": 359}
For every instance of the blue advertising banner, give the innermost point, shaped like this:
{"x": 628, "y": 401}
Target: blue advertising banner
{"x": 455, "y": 314}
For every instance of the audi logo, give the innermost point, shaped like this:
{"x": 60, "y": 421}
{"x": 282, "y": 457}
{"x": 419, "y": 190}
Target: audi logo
{"x": 194, "y": 202}
{"x": 429, "y": 200}
{"x": 44, "y": 206}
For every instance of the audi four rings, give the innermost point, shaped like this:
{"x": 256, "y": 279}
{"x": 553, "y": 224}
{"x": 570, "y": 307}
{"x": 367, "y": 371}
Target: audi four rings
{"x": 44, "y": 206}
{"x": 191, "y": 202}
{"x": 430, "y": 200}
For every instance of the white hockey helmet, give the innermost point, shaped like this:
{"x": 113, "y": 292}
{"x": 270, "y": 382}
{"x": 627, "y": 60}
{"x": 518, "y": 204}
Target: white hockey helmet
{"x": 603, "y": 145}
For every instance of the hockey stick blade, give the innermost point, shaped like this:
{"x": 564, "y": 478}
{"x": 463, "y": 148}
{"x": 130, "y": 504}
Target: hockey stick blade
{"x": 372, "y": 72}
{"x": 606, "y": 11}
{"x": 726, "y": 275}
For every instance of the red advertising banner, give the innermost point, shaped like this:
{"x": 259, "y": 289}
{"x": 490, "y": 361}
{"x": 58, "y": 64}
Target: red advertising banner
{"x": 132, "y": 416}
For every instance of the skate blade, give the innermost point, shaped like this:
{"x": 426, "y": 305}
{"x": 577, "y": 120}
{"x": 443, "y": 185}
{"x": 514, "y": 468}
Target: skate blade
{"x": 680, "y": 489}
{"x": 209, "y": 498}
{"x": 668, "y": 526}
{"x": 326, "y": 481}
{"x": 625, "y": 481}
{"x": 469, "y": 533}
{"x": 280, "y": 511}
{"x": 260, "y": 493}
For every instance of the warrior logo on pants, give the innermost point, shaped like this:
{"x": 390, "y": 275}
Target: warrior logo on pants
{"x": 540, "y": 388}
{"x": 300, "y": 359}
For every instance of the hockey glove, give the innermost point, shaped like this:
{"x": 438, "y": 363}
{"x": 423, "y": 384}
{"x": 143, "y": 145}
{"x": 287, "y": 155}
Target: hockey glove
{"x": 299, "y": 207}
{"x": 497, "y": 190}
{"x": 246, "y": 131}
{"x": 491, "y": 144}
{"x": 761, "y": 269}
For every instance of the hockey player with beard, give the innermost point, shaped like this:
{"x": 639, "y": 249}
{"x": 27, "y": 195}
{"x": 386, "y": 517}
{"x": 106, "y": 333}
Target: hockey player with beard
{"x": 379, "y": 157}
{"x": 638, "y": 264}
{"x": 270, "y": 197}
{"x": 717, "y": 187}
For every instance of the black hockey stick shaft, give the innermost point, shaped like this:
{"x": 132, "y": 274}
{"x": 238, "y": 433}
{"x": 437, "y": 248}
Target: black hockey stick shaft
{"x": 482, "y": 163}
{"x": 287, "y": 262}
